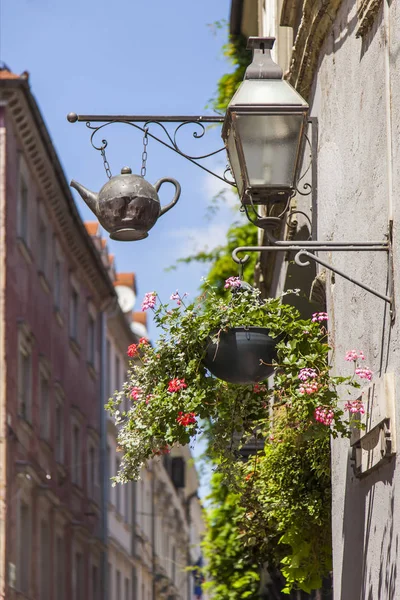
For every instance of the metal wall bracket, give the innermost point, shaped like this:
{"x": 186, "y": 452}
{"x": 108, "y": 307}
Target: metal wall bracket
{"x": 168, "y": 126}
{"x": 305, "y": 250}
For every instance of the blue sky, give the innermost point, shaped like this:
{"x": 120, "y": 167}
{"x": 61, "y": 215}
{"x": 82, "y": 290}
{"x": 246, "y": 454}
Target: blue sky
{"x": 130, "y": 57}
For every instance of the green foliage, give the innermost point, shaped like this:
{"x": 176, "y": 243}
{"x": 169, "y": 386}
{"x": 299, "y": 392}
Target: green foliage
{"x": 294, "y": 494}
{"x": 221, "y": 257}
{"x": 232, "y": 573}
{"x": 236, "y": 51}
{"x": 284, "y": 492}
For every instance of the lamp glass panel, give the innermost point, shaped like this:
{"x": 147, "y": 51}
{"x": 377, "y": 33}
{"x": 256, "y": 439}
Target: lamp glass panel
{"x": 234, "y": 160}
{"x": 270, "y": 146}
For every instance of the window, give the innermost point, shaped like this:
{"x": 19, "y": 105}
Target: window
{"x": 134, "y": 584}
{"x": 42, "y": 245}
{"x": 92, "y": 474}
{"x": 109, "y": 581}
{"x": 127, "y": 597}
{"x": 76, "y": 455}
{"x": 59, "y": 430}
{"x": 23, "y": 218}
{"x": 117, "y": 488}
{"x": 77, "y": 577}
{"x": 108, "y": 370}
{"x": 25, "y": 383}
{"x": 91, "y": 340}
{"x": 95, "y": 584}
{"x": 109, "y": 472}
{"x": 117, "y": 372}
{"x": 57, "y": 283}
{"x": 44, "y": 401}
{"x": 24, "y": 537}
{"x": 127, "y": 499}
{"x": 118, "y": 584}
{"x": 73, "y": 314}
{"x": 59, "y": 573}
{"x": 44, "y": 561}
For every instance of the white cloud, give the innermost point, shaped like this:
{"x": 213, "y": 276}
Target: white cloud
{"x": 190, "y": 240}
{"x": 213, "y": 187}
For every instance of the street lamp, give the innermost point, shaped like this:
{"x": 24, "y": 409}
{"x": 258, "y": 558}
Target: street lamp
{"x": 263, "y": 130}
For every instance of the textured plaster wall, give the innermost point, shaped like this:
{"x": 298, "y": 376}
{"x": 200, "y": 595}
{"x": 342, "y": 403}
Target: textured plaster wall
{"x": 357, "y": 100}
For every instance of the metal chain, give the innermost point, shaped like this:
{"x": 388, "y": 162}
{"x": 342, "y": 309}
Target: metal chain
{"x": 105, "y": 161}
{"x": 144, "y": 153}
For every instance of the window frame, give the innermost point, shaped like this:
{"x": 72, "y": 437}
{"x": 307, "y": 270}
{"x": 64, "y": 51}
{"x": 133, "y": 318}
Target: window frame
{"x": 24, "y": 547}
{"x": 59, "y": 444}
{"x": 75, "y": 464}
{"x": 73, "y": 312}
{"x": 43, "y": 241}
{"x": 24, "y": 384}
{"x": 45, "y": 418}
{"x": 23, "y": 200}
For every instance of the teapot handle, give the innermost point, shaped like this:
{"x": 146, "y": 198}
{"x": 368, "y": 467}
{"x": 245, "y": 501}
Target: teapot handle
{"x": 175, "y": 199}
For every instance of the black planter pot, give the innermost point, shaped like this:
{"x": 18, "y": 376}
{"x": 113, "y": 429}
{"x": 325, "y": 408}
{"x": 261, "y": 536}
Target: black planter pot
{"x": 238, "y": 355}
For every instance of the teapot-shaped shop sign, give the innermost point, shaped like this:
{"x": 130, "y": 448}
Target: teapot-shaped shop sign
{"x": 127, "y": 206}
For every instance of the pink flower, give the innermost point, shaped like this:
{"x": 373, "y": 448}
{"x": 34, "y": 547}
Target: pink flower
{"x": 175, "y": 385}
{"x": 306, "y": 374}
{"x": 232, "y": 282}
{"x": 143, "y": 341}
{"x": 320, "y": 316}
{"x": 136, "y": 393}
{"x": 149, "y": 300}
{"x": 309, "y": 388}
{"x": 364, "y": 373}
{"x": 324, "y": 415}
{"x": 355, "y": 406}
{"x": 176, "y": 297}
{"x": 353, "y": 355}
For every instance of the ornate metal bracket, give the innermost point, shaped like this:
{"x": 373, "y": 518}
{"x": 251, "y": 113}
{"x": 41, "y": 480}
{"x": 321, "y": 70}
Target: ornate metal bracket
{"x": 143, "y": 123}
{"x": 306, "y": 249}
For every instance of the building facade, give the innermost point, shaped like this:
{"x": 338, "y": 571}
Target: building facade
{"x": 155, "y": 524}
{"x": 54, "y": 291}
{"x": 65, "y": 325}
{"x": 345, "y": 63}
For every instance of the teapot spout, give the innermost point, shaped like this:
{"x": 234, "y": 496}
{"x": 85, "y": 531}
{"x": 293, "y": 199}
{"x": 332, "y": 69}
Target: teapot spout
{"x": 89, "y": 197}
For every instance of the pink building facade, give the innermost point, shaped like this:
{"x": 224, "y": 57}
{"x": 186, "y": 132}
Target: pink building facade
{"x": 54, "y": 291}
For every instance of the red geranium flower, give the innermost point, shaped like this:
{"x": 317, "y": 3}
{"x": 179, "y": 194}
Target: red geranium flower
{"x": 176, "y": 384}
{"x": 186, "y": 419}
{"x": 132, "y": 350}
{"x": 143, "y": 340}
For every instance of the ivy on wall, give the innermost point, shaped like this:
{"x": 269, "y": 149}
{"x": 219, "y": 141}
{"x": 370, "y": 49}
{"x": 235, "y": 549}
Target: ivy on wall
{"x": 277, "y": 512}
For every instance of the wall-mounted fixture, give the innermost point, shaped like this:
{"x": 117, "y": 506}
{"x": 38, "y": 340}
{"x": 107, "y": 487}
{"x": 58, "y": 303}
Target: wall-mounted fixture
{"x": 263, "y": 130}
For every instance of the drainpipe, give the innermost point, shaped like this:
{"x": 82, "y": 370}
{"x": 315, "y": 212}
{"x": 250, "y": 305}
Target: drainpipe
{"x": 388, "y": 102}
{"x": 187, "y": 505}
{"x": 104, "y": 468}
{"x": 153, "y": 533}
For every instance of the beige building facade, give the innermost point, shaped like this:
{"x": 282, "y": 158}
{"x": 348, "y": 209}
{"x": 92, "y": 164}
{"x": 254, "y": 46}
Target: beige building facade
{"x": 345, "y": 63}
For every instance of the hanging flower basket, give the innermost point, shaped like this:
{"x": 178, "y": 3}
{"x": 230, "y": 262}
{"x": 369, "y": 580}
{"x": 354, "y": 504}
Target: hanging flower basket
{"x": 242, "y": 355}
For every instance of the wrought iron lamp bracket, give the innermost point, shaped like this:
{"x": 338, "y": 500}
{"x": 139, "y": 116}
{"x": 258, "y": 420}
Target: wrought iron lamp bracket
{"x": 305, "y": 251}
{"x": 146, "y": 124}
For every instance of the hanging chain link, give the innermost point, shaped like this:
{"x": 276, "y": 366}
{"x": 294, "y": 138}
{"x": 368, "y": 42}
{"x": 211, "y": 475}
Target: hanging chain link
{"x": 105, "y": 161}
{"x": 144, "y": 153}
